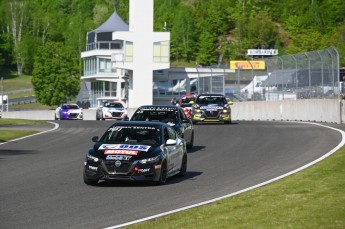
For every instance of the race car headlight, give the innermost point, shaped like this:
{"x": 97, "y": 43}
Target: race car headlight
{"x": 92, "y": 158}
{"x": 149, "y": 160}
{"x": 225, "y": 111}
{"x": 197, "y": 110}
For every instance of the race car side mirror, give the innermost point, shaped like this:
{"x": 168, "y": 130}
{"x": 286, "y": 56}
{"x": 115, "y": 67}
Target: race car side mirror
{"x": 170, "y": 142}
{"x": 95, "y": 138}
{"x": 230, "y": 102}
{"x": 191, "y": 102}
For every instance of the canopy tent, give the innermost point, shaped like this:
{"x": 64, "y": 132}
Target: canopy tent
{"x": 104, "y": 32}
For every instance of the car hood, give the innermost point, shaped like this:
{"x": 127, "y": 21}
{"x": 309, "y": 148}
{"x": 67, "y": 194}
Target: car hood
{"x": 110, "y": 109}
{"x": 71, "y": 110}
{"x": 134, "y": 151}
{"x": 211, "y": 107}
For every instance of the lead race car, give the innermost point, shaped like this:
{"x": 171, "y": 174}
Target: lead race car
{"x": 68, "y": 111}
{"x": 139, "y": 151}
{"x": 211, "y": 108}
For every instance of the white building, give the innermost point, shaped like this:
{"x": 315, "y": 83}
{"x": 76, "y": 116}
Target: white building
{"x": 131, "y": 63}
{"x": 120, "y": 59}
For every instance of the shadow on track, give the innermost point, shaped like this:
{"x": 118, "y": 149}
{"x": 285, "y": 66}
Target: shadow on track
{"x": 170, "y": 181}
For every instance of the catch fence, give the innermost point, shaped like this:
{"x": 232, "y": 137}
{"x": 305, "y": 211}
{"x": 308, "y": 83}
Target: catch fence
{"x": 300, "y": 76}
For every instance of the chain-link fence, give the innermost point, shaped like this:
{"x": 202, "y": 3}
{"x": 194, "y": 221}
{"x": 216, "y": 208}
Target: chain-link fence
{"x": 300, "y": 76}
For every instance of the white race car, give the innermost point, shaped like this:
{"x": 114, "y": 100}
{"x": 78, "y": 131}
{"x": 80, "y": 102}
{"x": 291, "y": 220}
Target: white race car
{"x": 112, "y": 110}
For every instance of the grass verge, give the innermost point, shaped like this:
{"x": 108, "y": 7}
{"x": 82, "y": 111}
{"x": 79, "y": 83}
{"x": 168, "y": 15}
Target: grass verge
{"x": 7, "y": 135}
{"x": 313, "y": 198}
{"x": 12, "y": 122}
{"x": 10, "y": 134}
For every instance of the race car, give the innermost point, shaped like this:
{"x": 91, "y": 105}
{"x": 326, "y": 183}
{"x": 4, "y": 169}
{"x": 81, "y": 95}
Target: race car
{"x": 211, "y": 108}
{"x": 112, "y": 110}
{"x": 68, "y": 111}
{"x": 172, "y": 115}
{"x": 138, "y": 151}
{"x": 185, "y": 103}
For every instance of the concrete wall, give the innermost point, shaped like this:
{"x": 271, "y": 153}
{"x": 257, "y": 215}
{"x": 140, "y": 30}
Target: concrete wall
{"x": 314, "y": 110}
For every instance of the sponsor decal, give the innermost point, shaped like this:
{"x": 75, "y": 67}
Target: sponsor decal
{"x": 125, "y": 146}
{"x": 118, "y": 157}
{"x": 209, "y": 108}
{"x": 118, "y": 163}
{"x": 92, "y": 168}
{"x": 157, "y": 167}
{"x": 121, "y": 151}
{"x": 142, "y": 170}
{"x": 158, "y": 109}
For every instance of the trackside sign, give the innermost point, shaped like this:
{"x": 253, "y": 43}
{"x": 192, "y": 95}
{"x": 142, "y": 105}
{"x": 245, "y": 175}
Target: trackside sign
{"x": 262, "y": 52}
{"x": 246, "y": 64}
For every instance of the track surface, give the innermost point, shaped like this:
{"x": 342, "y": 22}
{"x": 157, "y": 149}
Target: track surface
{"x": 41, "y": 182}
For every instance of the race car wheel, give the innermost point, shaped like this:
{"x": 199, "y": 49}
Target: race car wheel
{"x": 183, "y": 169}
{"x": 163, "y": 174}
{"x": 97, "y": 118}
{"x": 88, "y": 181}
{"x": 191, "y": 143}
{"x": 56, "y": 117}
{"x": 228, "y": 122}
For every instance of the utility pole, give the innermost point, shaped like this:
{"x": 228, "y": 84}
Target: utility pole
{"x": 2, "y": 94}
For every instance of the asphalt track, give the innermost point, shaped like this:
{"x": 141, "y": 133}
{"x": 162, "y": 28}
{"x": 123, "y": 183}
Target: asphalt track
{"x": 41, "y": 182}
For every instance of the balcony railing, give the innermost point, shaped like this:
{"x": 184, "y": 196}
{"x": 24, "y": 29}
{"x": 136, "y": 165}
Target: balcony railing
{"x": 104, "y": 45}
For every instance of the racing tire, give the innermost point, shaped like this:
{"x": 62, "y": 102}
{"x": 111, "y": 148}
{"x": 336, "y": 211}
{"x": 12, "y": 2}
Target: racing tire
{"x": 92, "y": 182}
{"x": 55, "y": 117}
{"x": 183, "y": 169}
{"x": 163, "y": 174}
{"x": 97, "y": 118}
{"x": 191, "y": 143}
{"x": 228, "y": 122}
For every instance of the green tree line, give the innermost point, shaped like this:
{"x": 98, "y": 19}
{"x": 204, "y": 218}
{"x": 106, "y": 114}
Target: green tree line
{"x": 206, "y": 32}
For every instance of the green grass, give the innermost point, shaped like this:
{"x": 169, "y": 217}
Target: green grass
{"x": 20, "y": 95}
{"x": 12, "y": 122}
{"x": 14, "y": 83}
{"x": 313, "y": 198}
{"x": 7, "y": 135}
{"x": 31, "y": 106}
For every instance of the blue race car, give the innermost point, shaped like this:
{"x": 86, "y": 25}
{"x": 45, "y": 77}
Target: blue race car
{"x": 68, "y": 111}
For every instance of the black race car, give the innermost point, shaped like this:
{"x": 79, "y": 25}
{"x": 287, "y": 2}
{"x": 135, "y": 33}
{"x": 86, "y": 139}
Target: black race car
{"x": 172, "y": 115}
{"x": 140, "y": 151}
{"x": 211, "y": 108}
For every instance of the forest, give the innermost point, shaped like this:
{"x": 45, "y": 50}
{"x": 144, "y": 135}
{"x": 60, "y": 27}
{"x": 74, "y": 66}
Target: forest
{"x": 206, "y": 32}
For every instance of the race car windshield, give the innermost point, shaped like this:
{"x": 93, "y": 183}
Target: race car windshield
{"x": 206, "y": 100}
{"x": 144, "y": 135}
{"x": 113, "y": 105}
{"x": 165, "y": 116}
{"x": 185, "y": 102}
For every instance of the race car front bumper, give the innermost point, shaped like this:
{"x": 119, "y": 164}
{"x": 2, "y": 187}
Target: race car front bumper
{"x": 109, "y": 170}
{"x": 200, "y": 117}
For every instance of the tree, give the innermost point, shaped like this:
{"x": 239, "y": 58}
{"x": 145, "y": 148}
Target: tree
{"x": 19, "y": 18}
{"x": 56, "y": 74}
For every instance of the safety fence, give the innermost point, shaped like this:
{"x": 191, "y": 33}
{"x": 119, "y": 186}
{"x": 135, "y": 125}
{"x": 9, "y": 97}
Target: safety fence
{"x": 309, "y": 75}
